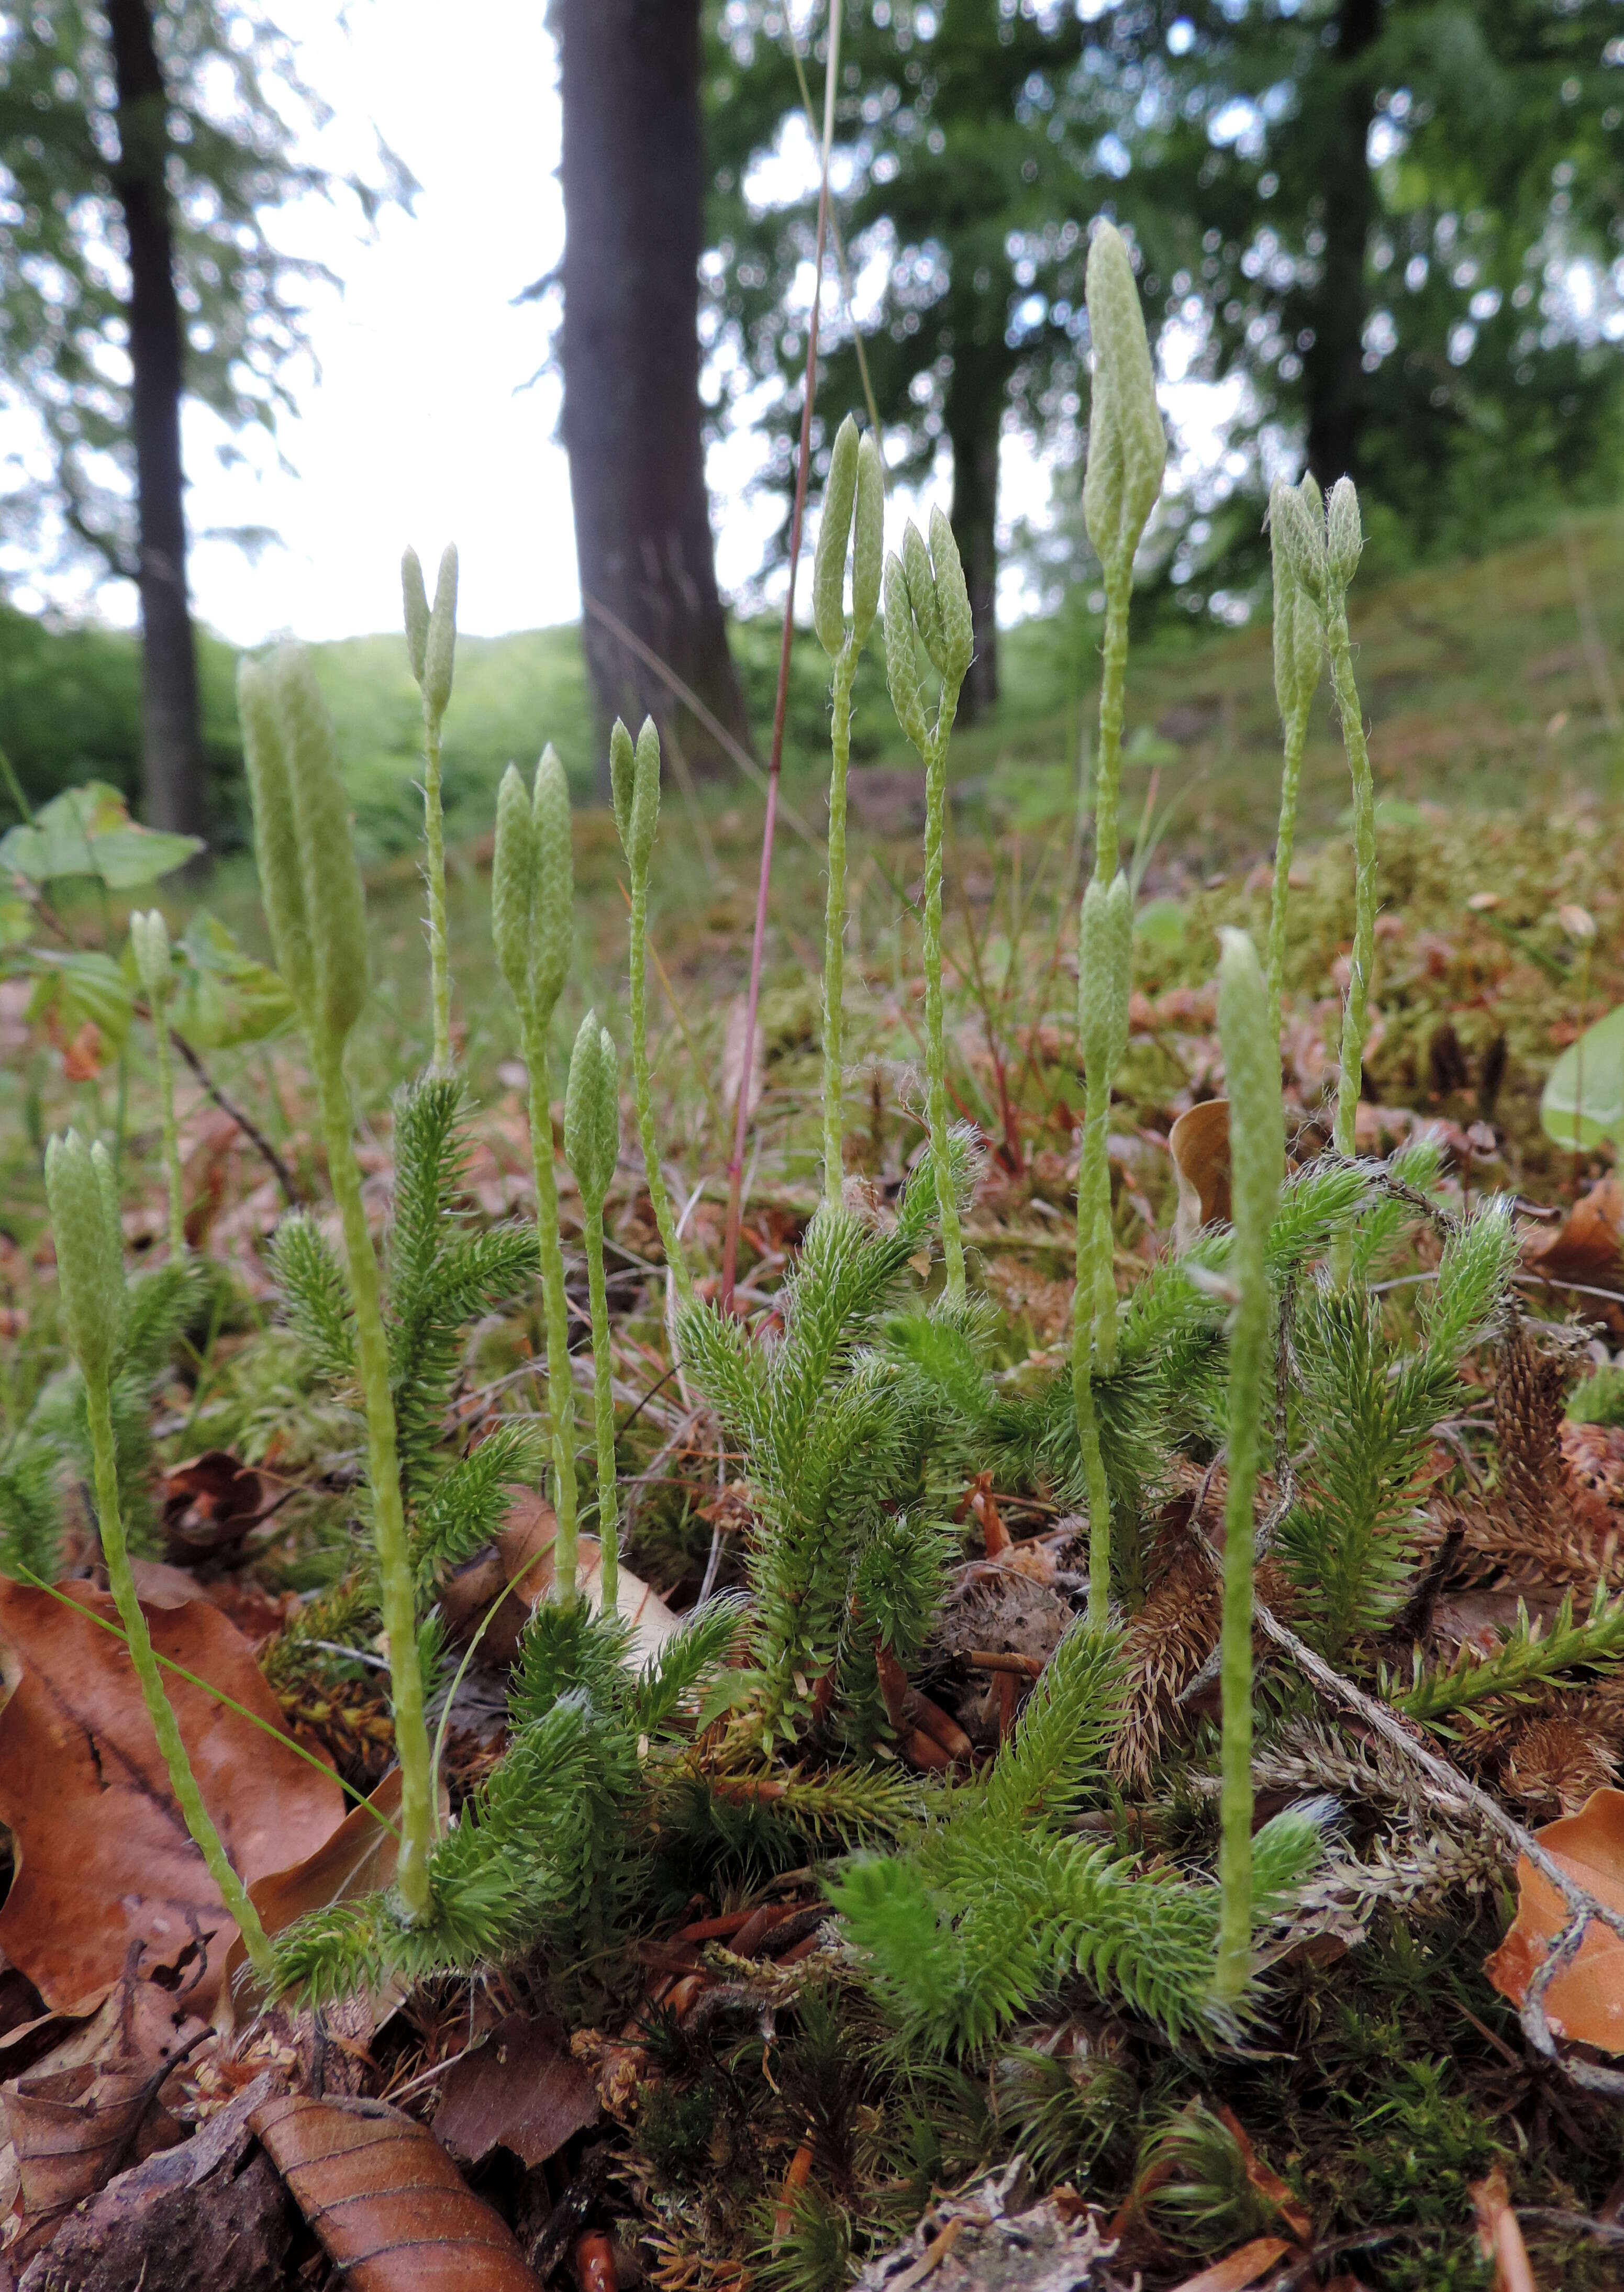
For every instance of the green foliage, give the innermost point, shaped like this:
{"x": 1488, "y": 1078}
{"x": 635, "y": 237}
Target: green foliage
{"x": 1061, "y": 2103}
{"x": 1365, "y": 1406}
{"x": 998, "y": 1906}
{"x": 31, "y": 1507}
{"x": 1527, "y": 1658}
{"x": 1599, "y": 1400}
{"x": 1201, "y": 2195}
{"x": 553, "y": 1847}
{"x": 835, "y": 1431}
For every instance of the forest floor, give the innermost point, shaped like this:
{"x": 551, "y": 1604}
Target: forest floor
{"x": 1378, "y": 2122}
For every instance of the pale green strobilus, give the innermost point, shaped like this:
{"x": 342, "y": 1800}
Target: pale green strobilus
{"x": 1127, "y": 452}
{"x": 532, "y": 899}
{"x": 431, "y": 645}
{"x": 928, "y": 603}
{"x": 310, "y": 886}
{"x": 853, "y": 524}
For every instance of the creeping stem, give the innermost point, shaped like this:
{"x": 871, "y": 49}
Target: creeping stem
{"x": 643, "y": 1089}
{"x": 603, "y": 1412}
{"x": 835, "y": 923}
{"x": 935, "y": 815}
{"x": 434, "y": 874}
{"x": 396, "y": 1591}
{"x": 560, "y": 1389}
{"x": 1356, "y": 1008}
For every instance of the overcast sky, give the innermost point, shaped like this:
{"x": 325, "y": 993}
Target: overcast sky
{"x": 427, "y": 422}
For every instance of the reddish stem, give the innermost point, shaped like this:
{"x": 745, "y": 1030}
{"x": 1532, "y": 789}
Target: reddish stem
{"x": 735, "y": 1168}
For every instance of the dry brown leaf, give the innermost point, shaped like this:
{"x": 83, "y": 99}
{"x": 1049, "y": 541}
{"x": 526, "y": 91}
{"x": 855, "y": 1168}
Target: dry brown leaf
{"x": 1199, "y": 1143}
{"x": 359, "y": 1859}
{"x": 91, "y": 2106}
{"x": 1585, "y": 2000}
{"x": 392, "y": 2210}
{"x": 1267, "y": 2182}
{"x": 1585, "y": 1248}
{"x": 211, "y": 1502}
{"x": 1240, "y": 2269}
{"x": 104, "y": 1859}
{"x": 521, "y": 2091}
{"x": 206, "y": 2216}
{"x": 1498, "y": 2237}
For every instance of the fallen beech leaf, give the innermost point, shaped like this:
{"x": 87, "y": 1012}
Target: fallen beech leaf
{"x": 104, "y": 1859}
{"x": 1585, "y": 1248}
{"x": 211, "y": 1502}
{"x": 90, "y": 2107}
{"x": 207, "y": 2198}
{"x": 1199, "y": 1143}
{"x": 392, "y": 2210}
{"x": 521, "y": 2091}
{"x": 1586, "y": 2001}
{"x": 522, "y": 1560}
{"x": 1498, "y": 2237}
{"x": 1240, "y": 2269}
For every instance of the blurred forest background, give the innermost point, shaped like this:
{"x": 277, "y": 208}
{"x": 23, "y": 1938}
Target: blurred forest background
{"x": 1380, "y": 237}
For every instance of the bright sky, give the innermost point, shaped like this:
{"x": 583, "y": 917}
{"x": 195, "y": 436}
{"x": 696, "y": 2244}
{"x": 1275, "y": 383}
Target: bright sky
{"x": 424, "y": 424}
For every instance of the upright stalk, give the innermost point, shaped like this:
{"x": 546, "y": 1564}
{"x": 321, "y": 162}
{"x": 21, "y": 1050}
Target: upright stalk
{"x": 1251, "y": 1058}
{"x": 1297, "y": 544}
{"x": 397, "y": 1595}
{"x": 81, "y": 1190}
{"x": 1128, "y": 450}
{"x": 642, "y": 1086}
{"x": 935, "y": 1053}
{"x": 434, "y": 871}
{"x": 556, "y": 1304}
{"x": 149, "y": 938}
{"x": 603, "y": 1414}
{"x": 835, "y": 931}
{"x": 1356, "y": 1006}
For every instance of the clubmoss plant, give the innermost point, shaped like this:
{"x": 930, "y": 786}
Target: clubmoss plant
{"x": 82, "y": 1192}
{"x": 854, "y": 523}
{"x": 927, "y": 600}
{"x": 633, "y": 778}
{"x": 1299, "y": 648}
{"x": 149, "y": 938}
{"x": 1324, "y": 557}
{"x": 1258, "y": 1165}
{"x": 592, "y": 1147}
{"x": 1127, "y": 453}
{"x": 532, "y": 895}
{"x": 310, "y": 886}
{"x": 431, "y": 645}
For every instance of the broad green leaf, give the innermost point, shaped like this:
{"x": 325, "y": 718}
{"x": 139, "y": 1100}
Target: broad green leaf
{"x": 1583, "y": 1102}
{"x": 16, "y": 920}
{"x": 88, "y": 831}
{"x": 221, "y": 995}
{"x": 80, "y": 985}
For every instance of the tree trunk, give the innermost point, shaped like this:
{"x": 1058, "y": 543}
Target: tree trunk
{"x": 1333, "y": 365}
{"x": 633, "y": 178}
{"x": 176, "y": 792}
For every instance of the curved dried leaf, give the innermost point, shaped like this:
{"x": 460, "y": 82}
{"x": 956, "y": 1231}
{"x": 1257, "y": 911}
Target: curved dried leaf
{"x": 1199, "y": 1143}
{"x": 1240, "y": 2269}
{"x": 392, "y": 2210}
{"x": 1585, "y": 1248}
{"x": 1585, "y": 2000}
{"x": 105, "y": 1863}
{"x": 523, "y": 1561}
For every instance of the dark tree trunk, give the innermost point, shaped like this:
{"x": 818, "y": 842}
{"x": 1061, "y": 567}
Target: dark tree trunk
{"x": 633, "y": 177}
{"x": 176, "y": 794}
{"x": 1333, "y": 365}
